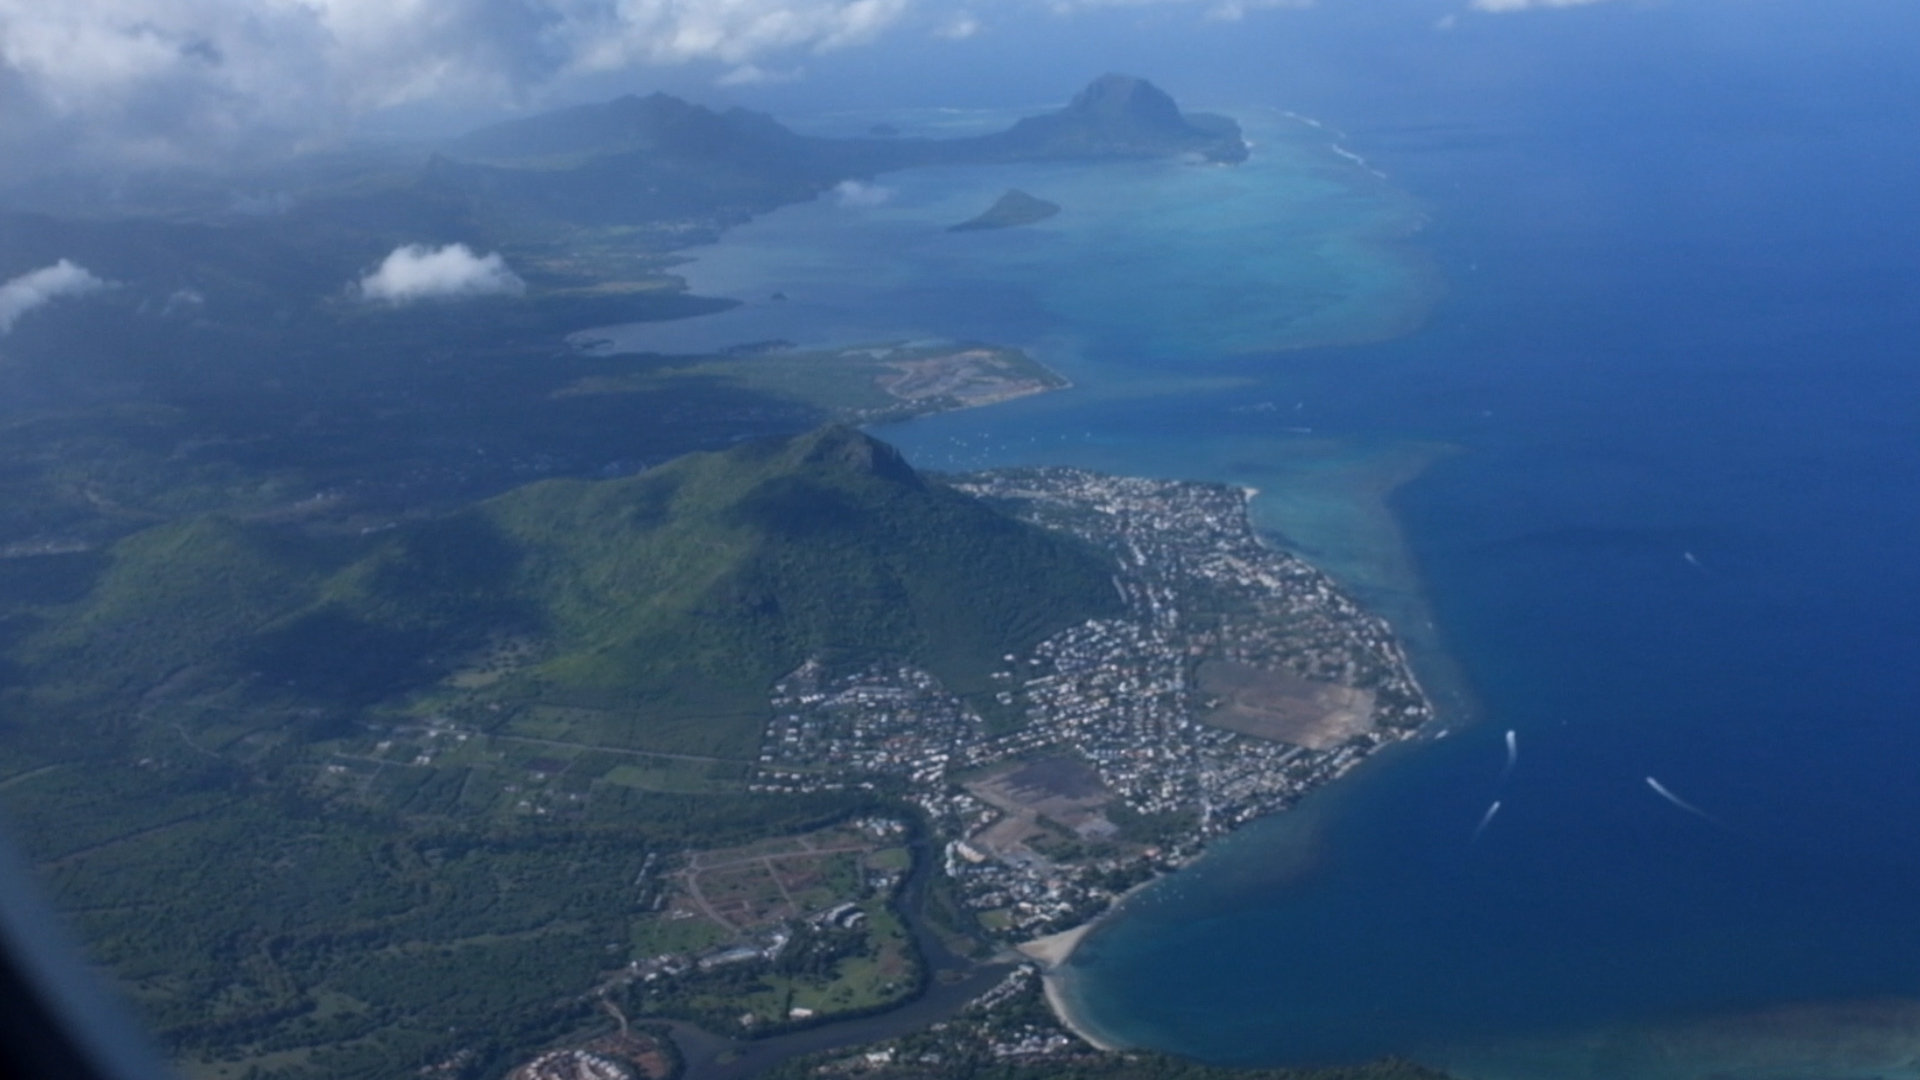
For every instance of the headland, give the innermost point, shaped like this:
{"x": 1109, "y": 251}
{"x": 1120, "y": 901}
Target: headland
{"x": 1110, "y": 758}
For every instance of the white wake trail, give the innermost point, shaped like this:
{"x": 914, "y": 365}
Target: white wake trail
{"x": 1513, "y": 753}
{"x": 1661, "y": 790}
{"x": 1486, "y": 819}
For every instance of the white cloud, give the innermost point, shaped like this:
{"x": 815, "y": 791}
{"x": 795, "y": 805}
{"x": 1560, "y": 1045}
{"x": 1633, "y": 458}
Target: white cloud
{"x": 602, "y": 35}
{"x": 959, "y": 28}
{"x": 1235, "y": 10}
{"x": 417, "y": 272}
{"x": 49, "y": 283}
{"x": 182, "y": 81}
{"x": 856, "y": 193}
{"x": 755, "y": 75}
{"x": 1499, "y": 6}
{"x": 206, "y": 82}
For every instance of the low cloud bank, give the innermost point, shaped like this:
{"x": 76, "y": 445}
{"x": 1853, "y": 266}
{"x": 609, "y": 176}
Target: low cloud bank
{"x": 418, "y": 272}
{"x": 193, "y": 82}
{"x": 856, "y": 193}
{"x": 43, "y": 286}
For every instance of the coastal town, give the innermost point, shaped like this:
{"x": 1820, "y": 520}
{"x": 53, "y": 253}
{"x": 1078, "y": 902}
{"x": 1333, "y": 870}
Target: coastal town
{"x": 1239, "y": 679}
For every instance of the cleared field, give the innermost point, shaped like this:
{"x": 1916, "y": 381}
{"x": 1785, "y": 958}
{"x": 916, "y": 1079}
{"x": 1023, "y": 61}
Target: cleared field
{"x": 1064, "y": 790}
{"x": 1280, "y": 706}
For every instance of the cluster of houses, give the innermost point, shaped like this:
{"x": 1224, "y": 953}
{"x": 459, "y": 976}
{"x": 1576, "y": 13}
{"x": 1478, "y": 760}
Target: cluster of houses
{"x": 889, "y": 719}
{"x": 1116, "y": 692}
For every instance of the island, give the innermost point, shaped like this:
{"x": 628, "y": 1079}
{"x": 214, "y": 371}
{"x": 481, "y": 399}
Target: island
{"x": 1016, "y": 207}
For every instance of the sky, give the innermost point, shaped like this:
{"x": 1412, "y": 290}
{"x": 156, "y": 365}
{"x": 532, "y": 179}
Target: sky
{"x": 142, "y": 83}
{"x": 106, "y": 86}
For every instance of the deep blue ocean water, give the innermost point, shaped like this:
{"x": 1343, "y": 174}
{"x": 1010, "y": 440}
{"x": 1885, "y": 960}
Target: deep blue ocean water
{"x": 1669, "y": 412}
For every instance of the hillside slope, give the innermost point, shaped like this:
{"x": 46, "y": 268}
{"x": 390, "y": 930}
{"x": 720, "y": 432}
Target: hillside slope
{"x": 661, "y": 606}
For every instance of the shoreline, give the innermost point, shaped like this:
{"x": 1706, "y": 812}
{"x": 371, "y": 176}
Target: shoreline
{"x": 1352, "y": 622}
{"x": 1051, "y": 953}
{"x": 1051, "y": 985}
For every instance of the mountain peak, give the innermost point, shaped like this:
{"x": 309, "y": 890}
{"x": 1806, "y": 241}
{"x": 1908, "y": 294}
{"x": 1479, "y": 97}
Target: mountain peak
{"x": 1122, "y": 116}
{"x": 840, "y": 447}
{"x": 1114, "y": 98}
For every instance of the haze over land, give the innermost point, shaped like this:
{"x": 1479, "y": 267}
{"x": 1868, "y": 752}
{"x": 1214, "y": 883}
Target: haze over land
{"x": 352, "y": 574}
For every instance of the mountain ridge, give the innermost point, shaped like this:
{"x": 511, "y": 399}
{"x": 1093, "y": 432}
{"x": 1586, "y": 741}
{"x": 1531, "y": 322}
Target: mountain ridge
{"x": 613, "y": 161}
{"x": 668, "y": 601}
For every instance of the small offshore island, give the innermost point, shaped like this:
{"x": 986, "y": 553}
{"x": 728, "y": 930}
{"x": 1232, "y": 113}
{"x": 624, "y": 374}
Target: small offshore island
{"x": 1011, "y": 210}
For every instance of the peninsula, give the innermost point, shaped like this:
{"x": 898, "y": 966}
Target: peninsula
{"x": 1111, "y": 753}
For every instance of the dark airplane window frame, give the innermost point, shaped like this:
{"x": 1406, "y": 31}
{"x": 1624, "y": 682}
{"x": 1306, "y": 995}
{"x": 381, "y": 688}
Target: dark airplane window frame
{"x": 56, "y": 1019}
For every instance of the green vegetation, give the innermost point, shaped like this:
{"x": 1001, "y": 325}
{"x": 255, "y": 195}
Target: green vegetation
{"x": 650, "y": 612}
{"x": 341, "y": 739}
{"x": 345, "y": 802}
{"x": 360, "y": 937}
{"x": 684, "y": 592}
{"x": 824, "y": 973}
{"x": 1134, "y": 1066}
{"x": 1005, "y": 1042}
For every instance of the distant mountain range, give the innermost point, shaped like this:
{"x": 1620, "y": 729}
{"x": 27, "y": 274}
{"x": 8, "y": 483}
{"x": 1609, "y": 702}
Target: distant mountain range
{"x": 658, "y": 154}
{"x": 233, "y": 362}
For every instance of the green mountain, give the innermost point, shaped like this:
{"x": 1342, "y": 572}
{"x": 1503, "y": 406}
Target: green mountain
{"x": 653, "y": 610}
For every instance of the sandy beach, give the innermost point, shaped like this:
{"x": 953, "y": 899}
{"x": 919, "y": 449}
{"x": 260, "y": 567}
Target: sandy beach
{"x": 1051, "y": 952}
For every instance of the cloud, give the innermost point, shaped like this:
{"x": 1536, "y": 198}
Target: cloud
{"x": 755, "y": 75}
{"x": 1500, "y": 6}
{"x": 174, "y": 82}
{"x": 168, "y": 83}
{"x": 604, "y": 35}
{"x": 856, "y": 193}
{"x": 959, "y": 28}
{"x": 417, "y": 272}
{"x": 1235, "y": 10}
{"x": 42, "y": 286}
{"x": 1212, "y": 11}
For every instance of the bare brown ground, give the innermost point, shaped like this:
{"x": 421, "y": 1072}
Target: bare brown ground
{"x": 1280, "y": 706}
{"x": 1062, "y": 789}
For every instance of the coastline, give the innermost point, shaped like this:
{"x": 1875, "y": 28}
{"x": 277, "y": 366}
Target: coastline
{"x": 1358, "y": 631}
{"x": 1052, "y": 985}
{"x": 1052, "y": 953}
{"x": 1053, "y": 950}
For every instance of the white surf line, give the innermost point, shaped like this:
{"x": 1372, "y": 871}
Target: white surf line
{"x": 1356, "y": 159}
{"x": 1661, "y": 790}
{"x": 1486, "y": 819}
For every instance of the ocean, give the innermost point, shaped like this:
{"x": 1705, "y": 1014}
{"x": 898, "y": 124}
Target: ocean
{"x": 1612, "y": 408}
